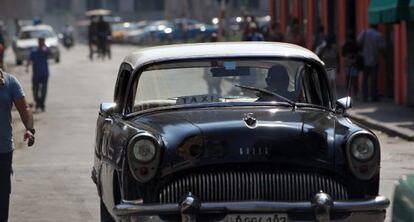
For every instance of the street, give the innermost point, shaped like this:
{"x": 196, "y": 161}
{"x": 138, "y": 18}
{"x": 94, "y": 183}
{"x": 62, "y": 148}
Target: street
{"x": 51, "y": 181}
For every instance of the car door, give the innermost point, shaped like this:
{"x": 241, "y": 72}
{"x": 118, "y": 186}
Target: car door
{"x": 110, "y": 129}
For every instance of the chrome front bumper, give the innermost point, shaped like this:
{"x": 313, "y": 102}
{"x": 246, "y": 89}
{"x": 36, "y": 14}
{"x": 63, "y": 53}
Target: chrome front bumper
{"x": 321, "y": 207}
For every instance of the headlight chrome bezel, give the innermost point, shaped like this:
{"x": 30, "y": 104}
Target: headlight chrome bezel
{"x": 354, "y": 148}
{"x": 143, "y": 143}
{"x": 144, "y": 170}
{"x": 363, "y": 168}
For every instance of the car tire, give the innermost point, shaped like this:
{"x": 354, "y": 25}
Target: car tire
{"x": 57, "y": 59}
{"x": 105, "y": 215}
{"x": 19, "y": 62}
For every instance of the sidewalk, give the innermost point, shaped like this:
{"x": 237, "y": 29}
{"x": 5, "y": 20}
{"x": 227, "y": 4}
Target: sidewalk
{"x": 385, "y": 116}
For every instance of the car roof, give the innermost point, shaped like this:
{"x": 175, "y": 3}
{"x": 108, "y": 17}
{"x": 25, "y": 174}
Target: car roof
{"x": 218, "y": 50}
{"x": 37, "y": 27}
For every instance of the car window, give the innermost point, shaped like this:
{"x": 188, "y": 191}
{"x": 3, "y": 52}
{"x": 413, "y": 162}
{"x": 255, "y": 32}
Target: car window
{"x": 34, "y": 34}
{"x": 121, "y": 85}
{"x": 219, "y": 81}
{"x": 313, "y": 87}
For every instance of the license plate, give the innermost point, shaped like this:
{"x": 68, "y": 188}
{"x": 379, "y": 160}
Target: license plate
{"x": 256, "y": 218}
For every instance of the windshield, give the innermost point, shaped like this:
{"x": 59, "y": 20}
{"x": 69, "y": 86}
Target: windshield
{"x": 258, "y": 81}
{"x": 34, "y": 34}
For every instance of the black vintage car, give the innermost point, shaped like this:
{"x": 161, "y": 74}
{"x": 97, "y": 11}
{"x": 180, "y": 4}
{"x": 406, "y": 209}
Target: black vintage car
{"x": 232, "y": 132}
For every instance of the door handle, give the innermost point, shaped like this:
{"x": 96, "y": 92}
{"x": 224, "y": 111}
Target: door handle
{"x": 108, "y": 121}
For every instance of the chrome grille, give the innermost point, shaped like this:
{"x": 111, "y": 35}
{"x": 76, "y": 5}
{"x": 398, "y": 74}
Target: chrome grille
{"x": 242, "y": 186}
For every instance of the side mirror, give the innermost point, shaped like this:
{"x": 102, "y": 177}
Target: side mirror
{"x": 107, "y": 109}
{"x": 343, "y": 104}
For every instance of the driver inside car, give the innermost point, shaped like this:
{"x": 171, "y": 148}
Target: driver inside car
{"x": 277, "y": 81}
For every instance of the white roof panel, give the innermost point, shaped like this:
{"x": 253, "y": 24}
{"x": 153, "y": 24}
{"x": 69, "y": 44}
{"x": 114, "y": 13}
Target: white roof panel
{"x": 221, "y": 49}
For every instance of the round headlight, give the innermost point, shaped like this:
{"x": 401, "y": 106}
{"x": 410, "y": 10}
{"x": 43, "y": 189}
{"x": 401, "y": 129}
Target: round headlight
{"x": 144, "y": 150}
{"x": 362, "y": 148}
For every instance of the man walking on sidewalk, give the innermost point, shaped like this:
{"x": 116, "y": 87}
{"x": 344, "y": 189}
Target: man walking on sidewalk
{"x": 372, "y": 45}
{"x": 11, "y": 93}
{"x": 40, "y": 68}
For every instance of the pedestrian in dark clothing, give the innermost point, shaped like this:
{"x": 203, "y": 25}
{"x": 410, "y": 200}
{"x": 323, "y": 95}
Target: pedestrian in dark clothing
{"x": 17, "y": 26}
{"x": 350, "y": 51}
{"x": 213, "y": 37}
{"x": 92, "y": 37}
{"x": 253, "y": 34}
{"x": 295, "y": 33}
{"x": 274, "y": 34}
{"x": 11, "y": 93}
{"x": 328, "y": 52}
{"x": 372, "y": 45}
{"x": 319, "y": 38}
{"x": 104, "y": 34}
{"x": 40, "y": 73}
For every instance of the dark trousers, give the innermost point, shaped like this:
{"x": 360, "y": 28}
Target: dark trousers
{"x": 5, "y": 184}
{"x": 370, "y": 76}
{"x": 39, "y": 92}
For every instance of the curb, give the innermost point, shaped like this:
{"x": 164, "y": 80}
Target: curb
{"x": 378, "y": 126}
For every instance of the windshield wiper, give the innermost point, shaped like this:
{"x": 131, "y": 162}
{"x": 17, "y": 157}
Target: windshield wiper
{"x": 267, "y": 92}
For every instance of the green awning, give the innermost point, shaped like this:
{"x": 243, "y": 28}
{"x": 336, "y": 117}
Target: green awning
{"x": 389, "y": 11}
{"x": 411, "y": 10}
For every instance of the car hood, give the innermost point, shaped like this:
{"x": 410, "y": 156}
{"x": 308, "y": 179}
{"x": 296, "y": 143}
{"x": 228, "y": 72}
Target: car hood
{"x": 201, "y": 137}
{"x": 31, "y": 43}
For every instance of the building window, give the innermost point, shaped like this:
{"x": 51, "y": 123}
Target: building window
{"x": 148, "y": 5}
{"x": 58, "y": 5}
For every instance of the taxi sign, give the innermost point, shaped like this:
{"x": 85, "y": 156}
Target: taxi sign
{"x": 197, "y": 99}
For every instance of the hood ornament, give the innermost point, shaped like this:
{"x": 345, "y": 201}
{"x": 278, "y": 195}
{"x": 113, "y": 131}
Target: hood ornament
{"x": 250, "y": 120}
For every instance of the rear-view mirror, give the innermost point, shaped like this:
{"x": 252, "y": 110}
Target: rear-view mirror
{"x": 224, "y": 72}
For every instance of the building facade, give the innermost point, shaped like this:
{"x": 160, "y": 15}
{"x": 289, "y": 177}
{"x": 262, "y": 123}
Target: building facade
{"x": 341, "y": 17}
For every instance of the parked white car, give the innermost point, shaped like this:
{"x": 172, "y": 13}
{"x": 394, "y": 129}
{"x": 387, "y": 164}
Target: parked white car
{"x": 28, "y": 39}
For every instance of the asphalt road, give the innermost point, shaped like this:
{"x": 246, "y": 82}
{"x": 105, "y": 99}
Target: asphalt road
{"x": 52, "y": 182}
